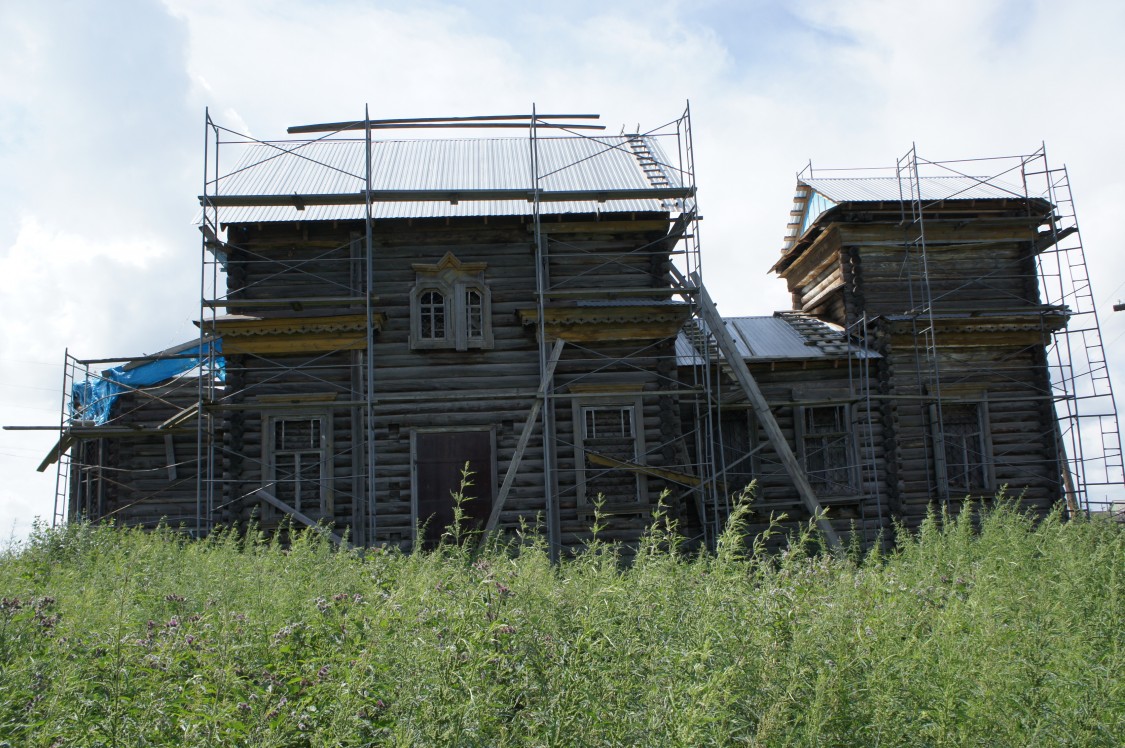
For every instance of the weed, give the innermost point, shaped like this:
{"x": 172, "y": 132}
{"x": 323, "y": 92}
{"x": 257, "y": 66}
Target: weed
{"x": 984, "y": 629}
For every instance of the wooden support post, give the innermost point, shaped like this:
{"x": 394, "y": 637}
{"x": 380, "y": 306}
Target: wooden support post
{"x": 773, "y": 431}
{"x": 525, "y": 437}
{"x": 302, "y": 518}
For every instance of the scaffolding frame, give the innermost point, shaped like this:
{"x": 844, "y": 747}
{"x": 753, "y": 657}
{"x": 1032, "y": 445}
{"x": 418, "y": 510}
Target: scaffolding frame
{"x": 672, "y": 181}
{"x": 1087, "y": 436}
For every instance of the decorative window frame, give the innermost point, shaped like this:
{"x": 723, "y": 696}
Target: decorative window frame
{"x": 624, "y": 398}
{"x": 464, "y": 322}
{"x": 324, "y": 507}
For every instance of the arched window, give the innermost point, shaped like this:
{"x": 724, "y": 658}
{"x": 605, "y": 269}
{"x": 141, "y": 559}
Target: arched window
{"x": 450, "y": 306}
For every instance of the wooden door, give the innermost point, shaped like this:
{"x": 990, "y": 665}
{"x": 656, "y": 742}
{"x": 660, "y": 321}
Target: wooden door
{"x": 439, "y": 459}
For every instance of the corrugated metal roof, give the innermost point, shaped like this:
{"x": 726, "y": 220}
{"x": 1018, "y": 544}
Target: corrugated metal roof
{"x": 776, "y": 338}
{"x": 867, "y": 189}
{"x": 815, "y": 196}
{"x": 336, "y": 167}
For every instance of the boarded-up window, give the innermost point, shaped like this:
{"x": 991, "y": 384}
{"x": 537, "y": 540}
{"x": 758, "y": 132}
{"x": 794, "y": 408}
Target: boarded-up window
{"x": 735, "y": 445}
{"x": 827, "y": 450}
{"x": 961, "y": 449}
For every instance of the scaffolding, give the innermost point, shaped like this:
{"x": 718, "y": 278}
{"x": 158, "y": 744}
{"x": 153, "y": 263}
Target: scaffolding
{"x": 670, "y": 179}
{"x": 705, "y": 460}
{"x": 1087, "y": 438}
{"x": 108, "y": 411}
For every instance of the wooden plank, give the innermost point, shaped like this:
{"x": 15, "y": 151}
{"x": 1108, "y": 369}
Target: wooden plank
{"x": 525, "y": 437}
{"x": 170, "y": 456}
{"x": 65, "y": 442}
{"x": 683, "y": 479}
{"x": 762, "y": 409}
{"x": 303, "y": 519}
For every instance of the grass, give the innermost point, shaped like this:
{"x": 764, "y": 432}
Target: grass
{"x": 991, "y": 631}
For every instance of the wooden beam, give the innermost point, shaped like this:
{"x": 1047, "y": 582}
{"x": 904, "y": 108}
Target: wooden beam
{"x": 524, "y": 120}
{"x": 272, "y": 500}
{"x": 298, "y": 302}
{"x": 180, "y": 417}
{"x": 64, "y": 443}
{"x": 683, "y": 479}
{"x": 762, "y": 410}
{"x": 525, "y": 437}
{"x": 1054, "y": 237}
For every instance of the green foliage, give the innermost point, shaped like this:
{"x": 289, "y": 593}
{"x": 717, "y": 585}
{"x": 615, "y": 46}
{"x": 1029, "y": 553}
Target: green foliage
{"x": 987, "y": 629}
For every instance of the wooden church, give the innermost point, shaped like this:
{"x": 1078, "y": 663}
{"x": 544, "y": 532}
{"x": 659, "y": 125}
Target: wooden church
{"x": 390, "y": 326}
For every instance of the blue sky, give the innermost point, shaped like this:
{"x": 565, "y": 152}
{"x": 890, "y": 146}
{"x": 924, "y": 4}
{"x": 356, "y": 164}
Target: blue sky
{"x": 101, "y": 114}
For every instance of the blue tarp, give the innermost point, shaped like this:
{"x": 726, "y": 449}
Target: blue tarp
{"x": 93, "y": 399}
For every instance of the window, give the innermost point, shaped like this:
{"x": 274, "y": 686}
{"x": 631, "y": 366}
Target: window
{"x": 431, "y": 310}
{"x": 962, "y": 449}
{"x": 609, "y": 445}
{"x": 297, "y": 462}
{"x": 827, "y": 449}
{"x": 737, "y": 444}
{"x": 474, "y": 315}
{"x": 612, "y": 422}
{"x": 450, "y": 306}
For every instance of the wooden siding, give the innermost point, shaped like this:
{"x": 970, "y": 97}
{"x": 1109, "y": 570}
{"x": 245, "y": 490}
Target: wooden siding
{"x": 130, "y": 471}
{"x": 965, "y": 323}
{"x": 422, "y": 390}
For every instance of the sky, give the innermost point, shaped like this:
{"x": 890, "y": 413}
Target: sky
{"x": 102, "y": 132}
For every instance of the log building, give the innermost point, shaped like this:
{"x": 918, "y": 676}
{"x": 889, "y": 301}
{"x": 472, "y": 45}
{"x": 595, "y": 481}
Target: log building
{"x": 378, "y": 315}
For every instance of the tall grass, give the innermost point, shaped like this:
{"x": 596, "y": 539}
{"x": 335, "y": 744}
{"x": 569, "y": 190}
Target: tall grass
{"x": 987, "y": 631}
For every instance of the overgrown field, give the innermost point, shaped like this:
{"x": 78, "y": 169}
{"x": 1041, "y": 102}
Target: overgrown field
{"x": 1013, "y": 635}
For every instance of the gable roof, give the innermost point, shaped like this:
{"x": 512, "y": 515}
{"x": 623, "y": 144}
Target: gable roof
{"x": 324, "y": 179}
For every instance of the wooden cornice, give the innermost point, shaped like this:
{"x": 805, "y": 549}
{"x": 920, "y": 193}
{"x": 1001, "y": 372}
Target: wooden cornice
{"x": 601, "y": 323}
{"x": 277, "y": 335}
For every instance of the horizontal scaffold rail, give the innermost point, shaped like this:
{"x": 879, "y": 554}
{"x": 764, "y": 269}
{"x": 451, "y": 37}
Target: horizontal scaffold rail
{"x": 443, "y": 196}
